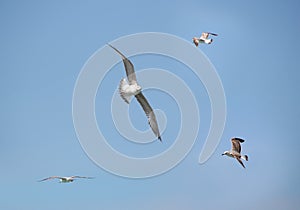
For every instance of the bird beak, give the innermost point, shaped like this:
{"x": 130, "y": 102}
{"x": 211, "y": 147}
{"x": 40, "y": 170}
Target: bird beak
{"x": 223, "y": 154}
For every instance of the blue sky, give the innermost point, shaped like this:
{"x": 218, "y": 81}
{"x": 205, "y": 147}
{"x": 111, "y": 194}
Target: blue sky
{"x": 44, "y": 45}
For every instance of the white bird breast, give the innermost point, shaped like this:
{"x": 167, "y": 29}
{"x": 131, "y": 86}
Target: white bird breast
{"x": 131, "y": 90}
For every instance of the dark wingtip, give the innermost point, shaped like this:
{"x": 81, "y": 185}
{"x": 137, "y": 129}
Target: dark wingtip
{"x": 111, "y": 46}
{"x": 239, "y": 139}
{"x": 118, "y": 51}
{"x": 159, "y": 138}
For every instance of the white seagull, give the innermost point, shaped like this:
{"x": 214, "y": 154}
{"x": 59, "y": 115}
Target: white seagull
{"x": 235, "y": 151}
{"x": 204, "y": 38}
{"x": 127, "y": 90}
{"x": 65, "y": 179}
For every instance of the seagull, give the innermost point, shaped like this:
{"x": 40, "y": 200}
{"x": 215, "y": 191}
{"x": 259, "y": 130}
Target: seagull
{"x": 132, "y": 88}
{"x": 204, "y": 38}
{"x": 65, "y": 179}
{"x": 235, "y": 151}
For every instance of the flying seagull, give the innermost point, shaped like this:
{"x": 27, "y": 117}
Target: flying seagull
{"x": 127, "y": 90}
{"x": 65, "y": 179}
{"x": 235, "y": 151}
{"x": 204, "y": 38}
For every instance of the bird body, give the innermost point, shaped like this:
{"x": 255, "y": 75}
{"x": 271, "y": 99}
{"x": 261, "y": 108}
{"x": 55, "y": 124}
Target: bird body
{"x": 66, "y": 179}
{"x": 235, "y": 151}
{"x": 131, "y": 88}
{"x": 127, "y": 91}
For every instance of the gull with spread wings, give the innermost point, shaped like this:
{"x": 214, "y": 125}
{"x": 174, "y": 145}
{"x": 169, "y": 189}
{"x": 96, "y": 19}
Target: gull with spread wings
{"x": 235, "y": 151}
{"x": 204, "y": 38}
{"x": 65, "y": 179}
{"x": 127, "y": 90}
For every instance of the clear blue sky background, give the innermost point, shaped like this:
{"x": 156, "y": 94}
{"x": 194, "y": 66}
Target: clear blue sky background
{"x": 44, "y": 45}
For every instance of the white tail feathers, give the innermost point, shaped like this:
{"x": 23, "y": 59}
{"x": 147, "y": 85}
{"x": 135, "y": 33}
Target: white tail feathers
{"x": 245, "y": 157}
{"x": 208, "y": 41}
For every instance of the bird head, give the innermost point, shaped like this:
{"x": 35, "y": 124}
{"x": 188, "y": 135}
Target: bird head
{"x": 196, "y": 41}
{"x": 226, "y": 153}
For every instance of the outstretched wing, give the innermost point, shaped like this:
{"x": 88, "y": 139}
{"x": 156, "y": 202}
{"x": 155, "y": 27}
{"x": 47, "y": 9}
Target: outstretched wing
{"x": 51, "y": 177}
{"x": 150, "y": 114}
{"x": 212, "y": 34}
{"x": 236, "y": 144}
{"x": 129, "y": 68}
{"x": 83, "y": 177}
{"x": 240, "y": 161}
{"x": 238, "y": 139}
{"x": 204, "y": 35}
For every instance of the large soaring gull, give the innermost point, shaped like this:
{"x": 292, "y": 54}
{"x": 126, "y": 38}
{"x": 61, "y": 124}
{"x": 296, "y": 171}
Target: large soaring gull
{"x": 65, "y": 179}
{"x": 204, "y": 38}
{"x": 235, "y": 151}
{"x": 127, "y": 90}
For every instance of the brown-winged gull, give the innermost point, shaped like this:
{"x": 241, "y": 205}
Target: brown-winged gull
{"x": 204, "y": 38}
{"x": 235, "y": 151}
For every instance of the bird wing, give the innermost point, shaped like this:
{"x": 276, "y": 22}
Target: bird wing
{"x": 83, "y": 177}
{"x": 129, "y": 68}
{"x": 238, "y": 139}
{"x": 149, "y": 113}
{"x": 212, "y": 34}
{"x": 235, "y": 144}
{"x": 240, "y": 161}
{"x": 204, "y": 35}
{"x": 51, "y": 177}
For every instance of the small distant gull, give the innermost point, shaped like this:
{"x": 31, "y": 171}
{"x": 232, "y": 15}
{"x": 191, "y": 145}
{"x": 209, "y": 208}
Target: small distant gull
{"x": 204, "y": 38}
{"x": 65, "y": 179}
{"x": 127, "y": 90}
{"x": 235, "y": 151}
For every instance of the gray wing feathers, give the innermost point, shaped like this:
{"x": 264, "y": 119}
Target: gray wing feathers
{"x": 128, "y": 67}
{"x": 51, "y": 177}
{"x": 150, "y": 114}
{"x": 83, "y": 177}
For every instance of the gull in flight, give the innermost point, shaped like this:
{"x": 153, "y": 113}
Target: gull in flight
{"x": 204, "y": 38}
{"x": 65, "y": 179}
{"x": 131, "y": 88}
{"x": 235, "y": 151}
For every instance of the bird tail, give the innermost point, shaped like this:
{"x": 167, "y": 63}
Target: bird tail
{"x": 208, "y": 41}
{"x": 245, "y": 157}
